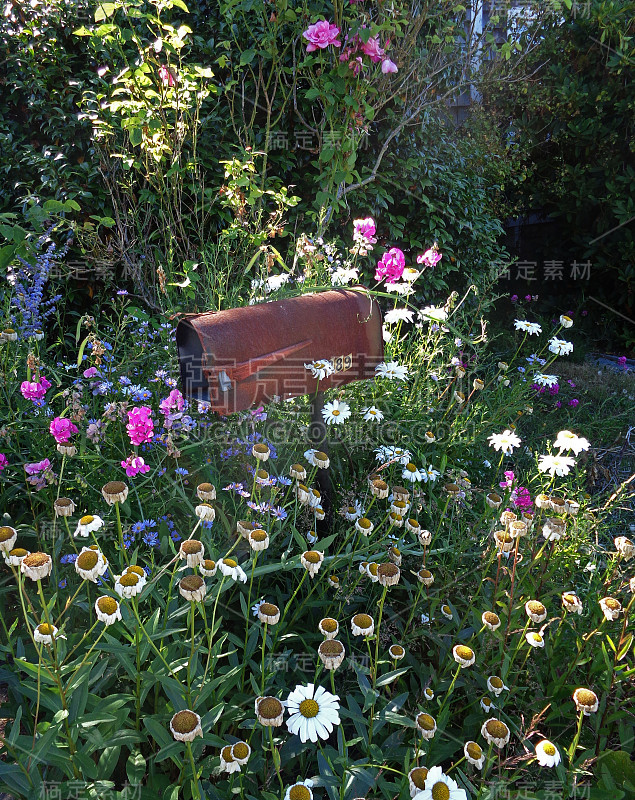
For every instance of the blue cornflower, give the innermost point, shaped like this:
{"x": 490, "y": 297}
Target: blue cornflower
{"x": 139, "y": 527}
{"x": 278, "y": 512}
{"x": 68, "y": 559}
{"x": 62, "y": 583}
{"x": 284, "y": 481}
{"x": 175, "y": 536}
{"x": 181, "y": 471}
{"x": 151, "y": 538}
{"x": 124, "y": 380}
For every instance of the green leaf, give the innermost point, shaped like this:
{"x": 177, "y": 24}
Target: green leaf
{"x": 246, "y": 57}
{"x": 104, "y": 10}
{"x": 389, "y": 677}
{"x": 136, "y": 136}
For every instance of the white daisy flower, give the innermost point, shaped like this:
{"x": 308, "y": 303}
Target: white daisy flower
{"x": 495, "y": 732}
{"x": 45, "y": 633}
{"x": 586, "y": 700}
{"x": 227, "y": 761}
{"x": 107, "y": 610}
{"x": 320, "y": 369}
{"x": 439, "y": 785}
{"x": 556, "y": 465}
{"x": 433, "y": 314}
{"x": 372, "y": 414}
{"x": 391, "y": 370}
{"x": 128, "y": 585}
{"x": 474, "y": 754}
{"x": 535, "y": 639}
{"x": 192, "y": 551}
{"x": 343, "y": 276}
{"x": 88, "y": 524}
{"x": 532, "y": 328}
{"x": 230, "y": 569}
{"x": 496, "y": 685}
{"x": 385, "y": 453}
{"x": 90, "y": 564}
{"x": 300, "y": 791}
{"x": 241, "y": 752}
{"x": 431, "y": 474}
{"x": 8, "y": 538}
{"x": 560, "y": 347}
{"x": 208, "y": 567}
{"x": 398, "y": 315}
{"x": 336, "y": 412}
{"x": 566, "y": 321}
{"x": 186, "y": 726}
{"x": 192, "y": 588}
{"x": 611, "y": 608}
{"x": 505, "y": 441}
{"x": 545, "y": 380}
{"x": 547, "y": 754}
{"x": 570, "y": 441}
{"x": 313, "y": 712}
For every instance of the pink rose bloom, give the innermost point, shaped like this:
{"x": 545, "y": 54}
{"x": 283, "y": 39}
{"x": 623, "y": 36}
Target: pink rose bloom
{"x": 430, "y": 257}
{"x": 134, "y": 465}
{"x": 388, "y": 66}
{"x": 372, "y": 49}
{"x": 167, "y": 78}
{"x": 34, "y": 390}
{"x": 321, "y": 35}
{"x": 140, "y": 425}
{"x": 391, "y": 265}
{"x": 62, "y": 429}
{"x": 364, "y": 230}
{"x": 3, "y": 461}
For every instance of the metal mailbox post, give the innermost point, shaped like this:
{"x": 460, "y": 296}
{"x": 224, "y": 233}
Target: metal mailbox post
{"x": 241, "y": 357}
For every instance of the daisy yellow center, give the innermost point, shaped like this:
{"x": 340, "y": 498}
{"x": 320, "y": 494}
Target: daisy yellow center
{"x": 329, "y": 625}
{"x": 45, "y": 629}
{"x": 270, "y": 708}
{"x": 496, "y": 683}
{"x": 586, "y": 697}
{"x": 381, "y": 485}
{"x": 426, "y": 722}
{"x": 495, "y": 498}
{"x": 411, "y": 467}
{"x": 191, "y": 583}
{"x": 258, "y": 536}
{"x": 107, "y": 605}
{"x": 312, "y": 556}
{"x": 424, "y": 574}
{"x": 397, "y": 650}
{"x": 315, "y": 493}
{"x": 191, "y": 546}
{"x": 114, "y": 487}
{"x": 248, "y": 526}
{"x": 570, "y": 598}
{"x": 321, "y": 456}
{"x": 334, "y": 578}
{"x": 262, "y": 474}
{"x": 298, "y": 468}
{"x": 87, "y": 560}
{"x": 535, "y": 607}
{"x": 497, "y": 728}
{"x": 549, "y": 749}
{"x": 184, "y": 721}
{"x": 269, "y": 609}
{"x": 240, "y": 750}
{"x": 335, "y": 412}
{"x": 446, "y": 609}
{"x": 440, "y": 791}
{"x": 373, "y": 568}
{"x": 261, "y": 448}
{"x": 452, "y": 488}
{"x": 364, "y": 523}
{"x": 613, "y": 604}
{"x": 309, "y": 709}
{"x": 362, "y": 620}
{"x": 388, "y": 570}
{"x": 464, "y": 652}
{"x": 64, "y": 502}
{"x": 129, "y": 579}
{"x": 474, "y": 750}
{"x": 491, "y": 617}
{"x": 331, "y": 647}
{"x": 536, "y": 637}
{"x": 399, "y": 504}
{"x": 205, "y": 487}
{"x": 36, "y": 560}
{"x": 395, "y": 516}
{"x": 486, "y": 702}
{"x": 414, "y": 523}
{"x": 137, "y": 570}
{"x": 400, "y": 493}
{"x": 18, "y": 552}
{"x": 86, "y": 520}
{"x": 429, "y": 434}
{"x": 6, "y": 534}
{"x": 229, "y": 562}
{"x": 299, "y": 792}
{"x": 208, "y": 564}
{"x": 226, "y": 753}
{"x": 418, "y": 777}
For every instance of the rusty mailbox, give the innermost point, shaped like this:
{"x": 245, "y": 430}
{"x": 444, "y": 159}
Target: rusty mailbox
{"x": 245, "y": 356}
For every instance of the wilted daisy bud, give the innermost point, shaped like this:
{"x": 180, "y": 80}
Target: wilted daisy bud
{"x": 298, "y": 472}
{"x": 463, "y": 655}
{"x": 192, "y": 551}
{"x": 571, "y": 602}
{"x": 207, "y": 567}
{"x": 388, "y": 574}
{"x": 302, "y": 493}
{"x": 399, "y": 507}
{"x": 518, "y": 528}
{"x": 37, "y": 566}
{"x": 64, "y": 507}
{"x": 8, "y": 335}
{"x": 299, "y": 791}
{"x": 192, "y": 588}
{"x": 319, "y": 512}
{"x": 394, "y": 519}
{"x": 424, "y": 536}
{"x": 114, "y": 492}
{"x": 490, "y": 620}
{"x": 554, "y": 529}
{"x": 429, "y": 437}
{"x": 315, "y": 498}
{"x": 459, "y": 397}
{"x": 107, "y": 610}
{"x": 535, "y": 639}
{"x": 611, "y": 608}
{"x": 504, "y": 540}
{"x": 586, "y": 701}
{"x": 625, "y": 547}
{"x": 460, "y": 371}
{"x": 400, "y": 493}
{"x": 205, "y": 512}
{"x": 90, "y": 565}
{"x": 426, "y": 725}
{"x": 66, "y": 449}
{"x": 269, "y": 613}
{"x": 258, "y": 540}
{"x": 425, "y": 577}
{"x": 206, "y": 492}
{"x": 186, "y": 726}
{"x": 396, "y": 652}
{"x": 535, "y": 610}
{"x": 503, "y": 366}
{"x": 334, "y": 581}
{"x": 417, "y": 780}
{"x": 547, "y": 754}
{"x": 133, "y": 569}
{"x": 269, "y": 711}
{"x": 371, "y": 570}
{"x": 478, "y": 385}
{"x": 15, "y": 557}
{"x": 45, "y": 633}
{"x": 428, "y": 693}
{"x": 572, "y": 507}
{"x": 486, "y": 704}
{"x": 8, "y": 538}
{"x": 394, "y": 554}
{"x": 364, "y": 525}
{"x": 331, "y": 653}
{"x": 245, "y": 527}
{"x": 558, "y": 504}
{"x": 507, "y": 517}
{"x": 379, "y": 489}
{"x": 227, "y": 761}
{"x": 474, "y": 754}
{"x": 328, "y": 627}
{"x": 312, "y": 560}
{"x": 543, "y": 501}
{"x": 495, "y": 732}
{"x": 262, "y": 477}
{"x": 493, "y": 500}
{"x": 261, "y": 452}
{"x": 321, "y": 459}
{"x": 631, "y": 585}
{"x": 453, "y": 489}
{"x": 447, "y": 611}
{"x": 566, "y": 321}
{"x": 362, "y": 625}
{"x": 412, "y": 525}
{"x": 496, "y": 685}
{"x": 241, "y": 752}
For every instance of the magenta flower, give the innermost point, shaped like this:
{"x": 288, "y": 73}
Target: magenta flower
{"x": 574, "y": 402}
{"x": 134, "y": 465}
{"x": 364, "y": 230}
{"x": 62, "y": 429}
{"x": 391, "y": 265}
{"x": 140, "y": 425}
{"x": 166, "y": 76}
{"x": 321, "y": 35}
{"x": 35, "y": 390}
{"x": 430, "y": 258}
{"x": 37, "y": 467}
{"x": 521, "y": 498}
{"x": 174, "y": 400}
{"x": 91, "y": 372}
{"x": 373, "y": 50}
{"x": 388, "y": 66}
{"x": 4, "y": 461}
{"x": 622, "y": 361}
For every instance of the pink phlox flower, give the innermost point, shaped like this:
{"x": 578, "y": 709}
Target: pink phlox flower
{"x": 62, "y": 429}
{"x": 321, "y": 35}
{"x": 391, "y": 265}
{"x": 134, "y": 465}
{"x": 521, "y": 498}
